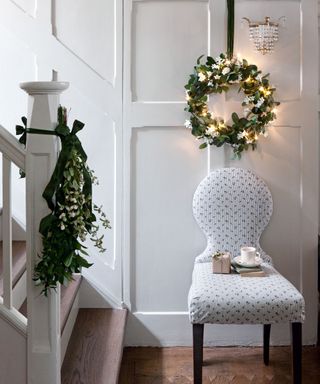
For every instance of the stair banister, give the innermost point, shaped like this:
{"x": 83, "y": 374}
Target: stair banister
{"x": 43, "y": 312}
{"x": 7, "y": 232}
{"x": 12, "y": 152}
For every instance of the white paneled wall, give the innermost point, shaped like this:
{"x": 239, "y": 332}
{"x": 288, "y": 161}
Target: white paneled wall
{"x": 162, "y": 42}
{"x": 89, "y": 33}
{"x": 159, "y": 46}
{"x": 82, "y": 44}
{"x": 127, "y": 62}
{"x": 28, "y": 6}
{"x": 164, "y": 235}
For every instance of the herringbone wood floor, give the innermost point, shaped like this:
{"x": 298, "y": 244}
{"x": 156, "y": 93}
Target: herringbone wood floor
{"x": 221, "y": 366}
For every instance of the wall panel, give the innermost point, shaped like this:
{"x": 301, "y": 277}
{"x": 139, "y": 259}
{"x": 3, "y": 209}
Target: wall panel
{"x": 89, "y": 32}
{"x": 165, "y": 235}
{"x": 20, "y": 60}
{"x": 158, "y": 46}
{"x": 28, "y": 6}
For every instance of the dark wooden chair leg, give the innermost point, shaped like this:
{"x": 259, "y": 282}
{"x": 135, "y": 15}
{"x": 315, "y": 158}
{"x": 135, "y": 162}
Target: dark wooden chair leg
{"x": 266, "y": 343}
{"x": 197, "y": 352}
{"x": 296, "y": 335}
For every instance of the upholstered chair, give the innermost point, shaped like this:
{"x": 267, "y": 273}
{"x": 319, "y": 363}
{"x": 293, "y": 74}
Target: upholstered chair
{"x": 232, "y": 207}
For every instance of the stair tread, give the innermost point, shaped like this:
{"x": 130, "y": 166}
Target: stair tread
{"x": 95, "y": 349}
{"x": 68, "y": 294}
{"x": 18, "y": 262}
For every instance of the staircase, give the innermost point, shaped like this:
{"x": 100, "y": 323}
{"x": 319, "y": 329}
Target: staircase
{"x": 94, "y": 352}
{"x": 47, "y": 340}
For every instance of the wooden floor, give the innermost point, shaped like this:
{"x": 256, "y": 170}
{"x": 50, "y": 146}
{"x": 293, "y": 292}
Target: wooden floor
{"x": 221, "y": 366}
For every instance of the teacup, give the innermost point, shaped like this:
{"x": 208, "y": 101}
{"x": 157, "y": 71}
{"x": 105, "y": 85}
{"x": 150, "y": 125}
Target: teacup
{"x": 248, "y": 254}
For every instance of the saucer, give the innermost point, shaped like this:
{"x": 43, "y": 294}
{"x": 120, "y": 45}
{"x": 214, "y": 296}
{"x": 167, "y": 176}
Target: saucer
{"x": 244, "y": 263}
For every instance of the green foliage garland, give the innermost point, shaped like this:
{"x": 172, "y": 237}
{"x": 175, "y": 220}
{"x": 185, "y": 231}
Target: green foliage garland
{"x": 217, "y": 76}
{"x": 72, "y": 218}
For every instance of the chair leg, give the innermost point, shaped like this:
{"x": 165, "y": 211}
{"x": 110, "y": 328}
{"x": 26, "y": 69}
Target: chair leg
{"x": 296, "y": 335}
{"x": 197, "y": 352}
{"x": 266, "y": 343}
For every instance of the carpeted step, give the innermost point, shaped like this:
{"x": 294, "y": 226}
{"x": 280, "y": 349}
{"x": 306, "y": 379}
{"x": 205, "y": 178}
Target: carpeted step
{"x": 95, "y": 349}
{"x": 19, "y": 262}
{"x": 68, "y": 295}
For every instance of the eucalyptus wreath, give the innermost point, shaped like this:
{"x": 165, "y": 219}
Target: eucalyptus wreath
{"x": 217, "y": 75}
{"x": 72, "y": 215}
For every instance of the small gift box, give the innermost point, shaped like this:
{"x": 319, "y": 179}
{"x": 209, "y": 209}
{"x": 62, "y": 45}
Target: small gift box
{"x": 221, "y": 262}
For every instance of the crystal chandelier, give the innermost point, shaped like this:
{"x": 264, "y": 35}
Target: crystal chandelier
{"x": 264, "y": 34}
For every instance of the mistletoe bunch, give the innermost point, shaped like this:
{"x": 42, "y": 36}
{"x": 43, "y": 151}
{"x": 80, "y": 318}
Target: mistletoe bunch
{"x": 73, "y": 215}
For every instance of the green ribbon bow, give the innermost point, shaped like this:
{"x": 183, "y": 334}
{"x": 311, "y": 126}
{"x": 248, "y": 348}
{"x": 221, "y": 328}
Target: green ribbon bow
{"x": 23, "y": 130}
{"x": 69, "y": 142}
{"x": 230, "y": 37}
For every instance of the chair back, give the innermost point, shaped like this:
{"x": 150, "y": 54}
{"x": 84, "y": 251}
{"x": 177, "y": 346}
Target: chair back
{"x": 232, "y": 207}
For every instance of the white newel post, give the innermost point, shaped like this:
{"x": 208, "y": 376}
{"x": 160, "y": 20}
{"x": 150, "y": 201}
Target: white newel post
{"x": 43, "y": 312}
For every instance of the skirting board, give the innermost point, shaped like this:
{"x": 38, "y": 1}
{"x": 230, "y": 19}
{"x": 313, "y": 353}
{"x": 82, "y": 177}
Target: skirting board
{"x": 93, "y": 295}
{"x": 164, "y": 329}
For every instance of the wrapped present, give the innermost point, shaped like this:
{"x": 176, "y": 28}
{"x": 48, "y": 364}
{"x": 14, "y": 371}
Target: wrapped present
{"x": 221, "y": 262}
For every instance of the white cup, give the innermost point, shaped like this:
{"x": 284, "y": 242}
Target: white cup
{"x": 248, "y": 254}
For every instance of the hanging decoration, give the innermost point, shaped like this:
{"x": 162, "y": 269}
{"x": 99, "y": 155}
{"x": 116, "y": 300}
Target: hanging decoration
{"x": 73, "y": 216}
{"x": 217, "y": 75}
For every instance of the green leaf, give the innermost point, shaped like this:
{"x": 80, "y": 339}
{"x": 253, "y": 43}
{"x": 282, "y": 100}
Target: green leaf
{"x": 235, "y": 117}
{"x": 68, "y": 261}
{"x": 210, "y": 60}
{"x": 83, "y": 252}
{"x": 203, "y": 145}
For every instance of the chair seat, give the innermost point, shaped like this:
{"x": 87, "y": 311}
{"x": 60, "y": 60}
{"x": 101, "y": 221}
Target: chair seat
{"x": 232, "y": 299}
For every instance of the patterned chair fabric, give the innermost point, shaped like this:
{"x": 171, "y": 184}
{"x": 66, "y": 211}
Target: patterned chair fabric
{"x": 232, "y": 299}
{"x": 232, "y": 207}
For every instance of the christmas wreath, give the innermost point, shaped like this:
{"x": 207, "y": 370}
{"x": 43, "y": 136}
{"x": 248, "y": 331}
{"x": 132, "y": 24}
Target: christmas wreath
{"x": 217, "y": 76}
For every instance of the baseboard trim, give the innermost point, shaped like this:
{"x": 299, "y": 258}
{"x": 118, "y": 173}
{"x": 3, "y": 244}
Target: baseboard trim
{"x": 167, "y": 329}
{"x": 103, "y": 298}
